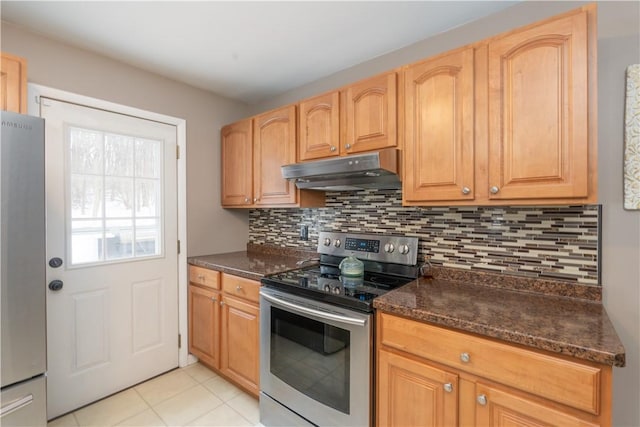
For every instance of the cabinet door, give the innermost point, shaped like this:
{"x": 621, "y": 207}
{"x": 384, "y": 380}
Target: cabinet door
{"x": 204, "y": 325}
{"x": 240, "y": 342}
{"x": 370, "y": 114}
{"x": 319, "y": 132}
{"x": 411, "y": 393}
{"x": 237, "y": 165}
{"x": 500, "y": 408}
{"x": 439, "y": 138}
{"x": 538, "y": 101}
{"x": 274, "y": 139}
{"x": 13, "y": 84}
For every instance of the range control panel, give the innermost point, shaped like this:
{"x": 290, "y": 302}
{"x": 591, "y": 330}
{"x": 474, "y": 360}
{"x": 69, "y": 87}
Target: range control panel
{"x": 374, "y": 247}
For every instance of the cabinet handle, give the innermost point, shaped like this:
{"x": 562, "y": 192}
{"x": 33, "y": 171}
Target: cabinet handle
{"x": 482, "y": 399}
{"x": 448, "y": 387}
{"x": 238, "y": 288}
{"x": 466, "y": 190}
{"x": 348, "y": 146}
{"x": 333, "y": 148}
{"x": 464, "y": 357}
{"x": 494, "y": 190}
{"x": 200, "y": 276}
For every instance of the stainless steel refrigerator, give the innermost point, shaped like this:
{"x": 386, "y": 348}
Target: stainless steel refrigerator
{"x": 23, "y": 396}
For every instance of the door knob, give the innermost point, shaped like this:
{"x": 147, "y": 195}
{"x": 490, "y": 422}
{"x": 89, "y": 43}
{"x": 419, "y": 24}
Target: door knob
{"x": 55, "y": 262}
{"x": 55, "y": 285}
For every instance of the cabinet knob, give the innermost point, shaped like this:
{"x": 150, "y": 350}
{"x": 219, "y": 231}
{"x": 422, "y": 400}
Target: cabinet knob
{"x": 221, "y": 303}
{"x": 214, "y": 299}
{"x": 247, "y": 200}
{"x": 200, "y": 276}
{"x": 466, "y": 190}
{"x": 255, "y": 199}
{"x": 448, "y": 387}
{"x": 494, "y": 190}
{"x": 481, "y": 399}
{"x": 333, "y": 148}
{"x": 464, "y": 357}
{"x": 238, "y": 288}
{"x": 348, "y": 146}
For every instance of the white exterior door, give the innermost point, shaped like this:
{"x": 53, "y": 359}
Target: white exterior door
{"x": 111, "y": 192}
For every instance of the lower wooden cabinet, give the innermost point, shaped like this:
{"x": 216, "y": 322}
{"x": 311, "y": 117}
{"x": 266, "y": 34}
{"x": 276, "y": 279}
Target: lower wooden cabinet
{"x": 240, "y": 351}
{"x": 204, "y": 325}
{"x": 412, "y": 393}
{"x": 224, "y": 325}
{"x": 428, "y": 375}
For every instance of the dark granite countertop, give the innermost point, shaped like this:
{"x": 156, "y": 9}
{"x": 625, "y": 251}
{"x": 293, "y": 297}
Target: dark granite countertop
{"x": 253, "y": 263}
{"x": 557, "y": 317}
{"x": 569, "y": 326}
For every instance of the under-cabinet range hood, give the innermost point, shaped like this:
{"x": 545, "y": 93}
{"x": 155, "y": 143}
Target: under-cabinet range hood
{"x": 376, "y": 170}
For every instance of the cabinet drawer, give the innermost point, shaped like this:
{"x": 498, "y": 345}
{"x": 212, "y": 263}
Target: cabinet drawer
{"x": 564, "y": 381}
{"x": 241, "y": 287}
{"x": 204, "y": 276}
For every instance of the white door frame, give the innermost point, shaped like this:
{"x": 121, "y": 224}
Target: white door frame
{"x": 35, "y": 91}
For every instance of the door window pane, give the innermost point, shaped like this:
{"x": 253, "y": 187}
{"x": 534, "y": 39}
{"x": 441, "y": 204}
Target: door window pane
{"x": 115, "y": 196}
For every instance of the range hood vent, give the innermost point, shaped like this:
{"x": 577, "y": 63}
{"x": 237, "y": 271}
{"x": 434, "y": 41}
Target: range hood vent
{"x": 376, "y": 170}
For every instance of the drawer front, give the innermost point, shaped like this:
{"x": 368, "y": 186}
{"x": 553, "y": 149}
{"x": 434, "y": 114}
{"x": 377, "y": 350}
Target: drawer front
{"x": 204, "y": 277}
{"x": 241, "y": 287}
{"x": 571, "y": 383}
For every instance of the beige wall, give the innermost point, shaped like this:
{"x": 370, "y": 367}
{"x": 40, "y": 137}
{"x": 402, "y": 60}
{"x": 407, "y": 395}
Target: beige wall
{"x": 618, "y": 46}
{"x": 210, "y": 229}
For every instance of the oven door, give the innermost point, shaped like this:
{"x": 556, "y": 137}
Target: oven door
{"x": 315, "y": 360}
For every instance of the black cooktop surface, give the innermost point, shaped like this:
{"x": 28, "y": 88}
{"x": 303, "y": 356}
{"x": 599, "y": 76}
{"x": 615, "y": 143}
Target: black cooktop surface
{"x": 324, "y": 283}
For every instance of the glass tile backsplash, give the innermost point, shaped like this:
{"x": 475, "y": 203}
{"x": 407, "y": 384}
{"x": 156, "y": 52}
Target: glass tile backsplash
{"x": 540, "y": 241}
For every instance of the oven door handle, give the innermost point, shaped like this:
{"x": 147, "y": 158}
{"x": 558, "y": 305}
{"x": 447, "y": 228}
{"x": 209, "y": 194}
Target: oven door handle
{"x": 320, "y": 313}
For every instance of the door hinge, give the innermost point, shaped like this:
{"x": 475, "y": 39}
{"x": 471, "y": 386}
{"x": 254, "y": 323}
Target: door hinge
{"x": 179, "y": 340}
{"x": 178, "y": 152}
{"x": 178, "y": 247}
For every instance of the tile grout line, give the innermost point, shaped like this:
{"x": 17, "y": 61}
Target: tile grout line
{"x": 151, "y": 407}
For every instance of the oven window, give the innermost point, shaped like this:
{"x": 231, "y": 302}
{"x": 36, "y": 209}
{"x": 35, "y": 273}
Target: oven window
{"x": 311, "y": 357}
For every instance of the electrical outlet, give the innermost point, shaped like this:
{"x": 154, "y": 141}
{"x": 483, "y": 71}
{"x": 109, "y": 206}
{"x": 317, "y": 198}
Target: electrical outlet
{"x": 304, "y": 232}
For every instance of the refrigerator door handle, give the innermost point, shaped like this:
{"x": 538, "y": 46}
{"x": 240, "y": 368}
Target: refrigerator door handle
{"x": 16, "y": 405}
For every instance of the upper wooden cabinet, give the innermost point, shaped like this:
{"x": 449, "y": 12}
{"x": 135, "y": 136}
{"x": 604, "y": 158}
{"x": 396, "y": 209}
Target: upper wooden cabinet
{"x": 274, "y": 143}
{"x": 253, "y": 151}
{"x": 439, "y": 129}
{"x": 510, "y": 120}
{"x": 237, "y": 163}
{"x": 357, "y": 118}
{"x": 13, "y": 83}
{"x": 538, "y": 111}
{"x": 319, "y": 133}
{"x": 370, "y": 114}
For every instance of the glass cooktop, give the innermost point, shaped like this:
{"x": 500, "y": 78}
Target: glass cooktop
{"x": 324, "y": 283}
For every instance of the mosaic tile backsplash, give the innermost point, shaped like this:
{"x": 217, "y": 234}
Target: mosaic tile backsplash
{"x": 544, "y": 242}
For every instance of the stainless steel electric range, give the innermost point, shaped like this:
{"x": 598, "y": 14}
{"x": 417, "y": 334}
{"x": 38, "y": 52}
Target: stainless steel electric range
{"x": 316, "y": 331}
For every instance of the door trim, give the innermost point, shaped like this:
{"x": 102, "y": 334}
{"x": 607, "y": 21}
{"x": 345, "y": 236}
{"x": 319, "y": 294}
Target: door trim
{"x": 35, "y": 91}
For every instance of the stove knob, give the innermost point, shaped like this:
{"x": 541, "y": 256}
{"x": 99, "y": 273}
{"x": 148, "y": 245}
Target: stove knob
{"x": 327, "y": 288}
{"x": 337, "y": 243}
{"x": 327, "y": 241}
{"x": 404, "y": 249}
{"x": 389, "y": 247}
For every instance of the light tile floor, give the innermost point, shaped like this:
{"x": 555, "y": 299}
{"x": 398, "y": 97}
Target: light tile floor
{"x": 190, "y": 396}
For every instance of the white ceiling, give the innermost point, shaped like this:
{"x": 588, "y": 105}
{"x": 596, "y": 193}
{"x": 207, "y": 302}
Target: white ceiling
{"x": 248, "y": 51}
